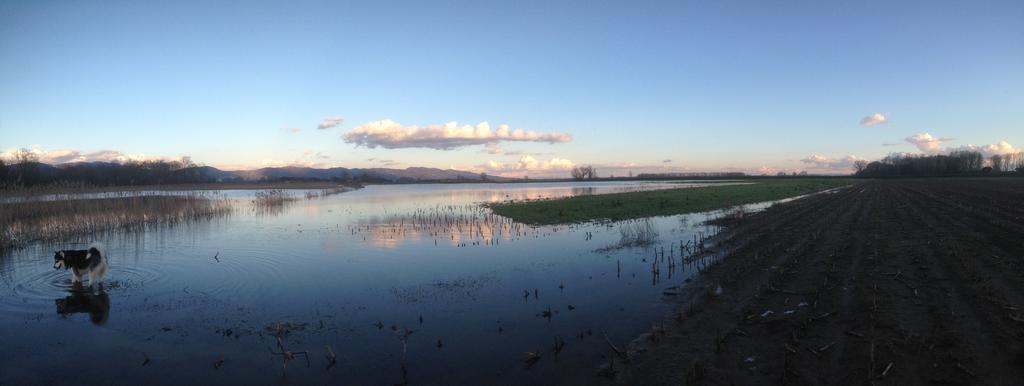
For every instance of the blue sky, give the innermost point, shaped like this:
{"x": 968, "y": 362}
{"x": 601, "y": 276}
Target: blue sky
{"x": 675, "y": 85}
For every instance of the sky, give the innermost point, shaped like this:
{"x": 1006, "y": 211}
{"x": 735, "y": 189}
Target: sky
{"x": 512, "y": 87}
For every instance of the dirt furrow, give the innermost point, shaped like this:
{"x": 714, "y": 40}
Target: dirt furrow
{"x": 886, "y": 282}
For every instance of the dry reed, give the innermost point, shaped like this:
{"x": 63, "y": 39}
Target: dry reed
{"x": 25, "y": 221}
{"x": 637, "y": 233}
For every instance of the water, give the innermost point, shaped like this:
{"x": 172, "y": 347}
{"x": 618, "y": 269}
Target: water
{"x": 351, "y": 271}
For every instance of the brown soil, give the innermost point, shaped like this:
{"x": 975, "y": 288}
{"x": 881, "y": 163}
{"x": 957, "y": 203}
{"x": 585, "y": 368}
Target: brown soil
{"x": 904, "y": 282}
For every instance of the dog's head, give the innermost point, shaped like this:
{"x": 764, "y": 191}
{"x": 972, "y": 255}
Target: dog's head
{"x": 58, "y": 260}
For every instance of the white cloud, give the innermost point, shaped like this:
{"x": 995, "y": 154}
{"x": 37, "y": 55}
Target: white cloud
{"x": 767, "y": 170}
{"x": 1002, "y": 147}
{"x": 665, "y": 161}
{"x": 873, "y": 119}
{"x": 292, "y": 129}
{"x": 927, "y": 143}
{"x": 56, "y": 157}
{"x": 393, "y": 135}
{"x": 930, "y": 144}
{"x": 494, "y": 148}
{"x": 330, "y": 122}
{"x": 821, "y": 162}
{"x": 559, "y": 168}
{"x": 528, "y": 164}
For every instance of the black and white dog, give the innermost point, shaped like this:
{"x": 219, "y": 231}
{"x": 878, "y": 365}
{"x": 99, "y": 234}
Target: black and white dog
{"x": 92, "y": 261}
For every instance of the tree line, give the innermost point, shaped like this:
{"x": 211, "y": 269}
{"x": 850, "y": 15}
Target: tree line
{"x": 25, "y": 170}
{"x": 954, "y": 163}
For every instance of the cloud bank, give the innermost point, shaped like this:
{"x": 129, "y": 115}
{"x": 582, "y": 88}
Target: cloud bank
{"x": 873, "y": 119}
{"x": 56, "y": 157}
{"x": 1002, "y": 147}
{"x": 927, "y": 143}
{"x": 330, "y": 122}
{"x": 393, "y": 135}
{"x": 821, "y": 162}
{"x": 494, "y": 148}
{"x": 930, "y": 144}
{"x": 528, "y": 164}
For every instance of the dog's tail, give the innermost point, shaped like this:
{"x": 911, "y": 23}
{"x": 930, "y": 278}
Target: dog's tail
{"x": 96, "y": 249}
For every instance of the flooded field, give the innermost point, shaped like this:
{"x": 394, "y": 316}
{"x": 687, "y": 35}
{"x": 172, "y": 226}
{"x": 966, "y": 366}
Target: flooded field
{"x": 383, "y": 285}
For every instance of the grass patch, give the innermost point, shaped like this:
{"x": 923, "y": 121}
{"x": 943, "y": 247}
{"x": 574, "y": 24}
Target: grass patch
{"x": 631, "y": 205}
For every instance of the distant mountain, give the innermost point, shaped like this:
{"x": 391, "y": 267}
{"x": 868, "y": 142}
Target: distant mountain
{"x": 288, "y": 172}
{"x": 89, "y": 164}
{"x": 413, "y": 174}
{"x": 426, "y": 174}
{"x": 45, "y": 170}
{"x": 215, "y": 174}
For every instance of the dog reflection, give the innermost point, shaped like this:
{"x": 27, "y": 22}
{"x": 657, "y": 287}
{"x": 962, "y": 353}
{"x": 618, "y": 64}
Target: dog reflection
{"x": 97, "y": 305}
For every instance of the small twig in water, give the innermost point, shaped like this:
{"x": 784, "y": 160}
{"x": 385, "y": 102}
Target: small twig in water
{"x": 288, "y": 355}
{"x": 622, "y": 354}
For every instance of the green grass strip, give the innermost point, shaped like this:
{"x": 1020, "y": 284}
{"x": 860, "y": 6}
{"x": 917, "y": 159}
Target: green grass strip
{"x": 624, "y": 206}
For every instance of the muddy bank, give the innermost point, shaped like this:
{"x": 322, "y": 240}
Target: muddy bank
{"x": 885, "y": 282}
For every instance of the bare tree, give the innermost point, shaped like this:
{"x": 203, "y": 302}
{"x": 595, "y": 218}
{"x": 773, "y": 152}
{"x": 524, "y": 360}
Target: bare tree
{"x": 186, "y": 162}
{"x": 26, "y": 167}
{"x": 584, "y": 172}
{"x": 25, "y": 156}
{"x": 860, "y": 165}
{"x": 997, "y": 162}
{"x": 578, "y": 173}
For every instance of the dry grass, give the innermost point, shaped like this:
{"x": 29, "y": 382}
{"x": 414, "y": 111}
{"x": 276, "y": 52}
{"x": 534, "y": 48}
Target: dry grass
{"x": 273, "y": 201}
{"x": 40, "y": 220}
{"x": 271, "y": 198}
{"x": 324, "y": 193}
{"x": 333, "y": 191}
